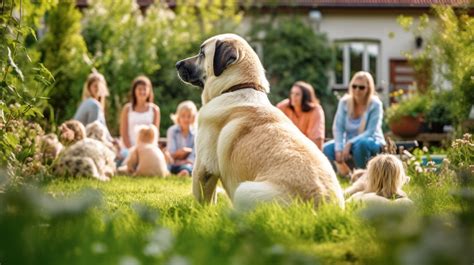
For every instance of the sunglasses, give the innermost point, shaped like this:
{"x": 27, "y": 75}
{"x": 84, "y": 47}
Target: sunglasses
{"x": 358, "y": 87}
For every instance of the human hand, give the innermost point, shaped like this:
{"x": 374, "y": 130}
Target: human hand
{"x": 187, "y": 150}
{"x": 183, "y": 162}
{"x": 339, "y": 157}
{"x": 346, "y": 153}
{"x": 182, "y": 153}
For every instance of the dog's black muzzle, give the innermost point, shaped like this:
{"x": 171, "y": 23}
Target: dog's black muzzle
{"x": 189, "y": 73}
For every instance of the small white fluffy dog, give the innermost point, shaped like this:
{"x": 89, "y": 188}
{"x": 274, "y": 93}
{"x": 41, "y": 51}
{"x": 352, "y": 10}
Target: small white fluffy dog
{"x": 243, "y": 140}
{"x": 96, "y": 130}
{"x": 86, "y": 158}
{"x": 49, "y": 148}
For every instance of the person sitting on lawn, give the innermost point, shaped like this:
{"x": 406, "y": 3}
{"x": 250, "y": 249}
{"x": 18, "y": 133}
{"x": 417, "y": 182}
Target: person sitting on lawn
{"x": 146, "y": 158}
{"x": 93, "y": 101}
{"x": 180, "y": 139}
{"x": 304, "y": 110}
{"x": 384, "y": 179}
{"x": 357, "y": 126}
{"x": 140, "y": 111}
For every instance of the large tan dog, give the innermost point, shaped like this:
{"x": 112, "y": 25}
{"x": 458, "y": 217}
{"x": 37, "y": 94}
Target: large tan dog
{"x": 243, "y": 140}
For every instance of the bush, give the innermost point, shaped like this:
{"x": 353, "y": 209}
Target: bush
{"x": 24, "y": 83}
{"x": 437, "y": 110}
{"x": 461, "y": 155}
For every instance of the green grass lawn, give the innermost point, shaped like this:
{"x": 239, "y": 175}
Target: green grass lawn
{"x": 157, "y": 221}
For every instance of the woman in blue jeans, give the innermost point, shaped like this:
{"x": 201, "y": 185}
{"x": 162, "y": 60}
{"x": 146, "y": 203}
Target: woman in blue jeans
{"x": 357, "y": 126}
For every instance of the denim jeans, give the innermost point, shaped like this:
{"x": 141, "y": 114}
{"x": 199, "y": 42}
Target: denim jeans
{"x": 175, "y": 169}
{"x": 362, "y": 150}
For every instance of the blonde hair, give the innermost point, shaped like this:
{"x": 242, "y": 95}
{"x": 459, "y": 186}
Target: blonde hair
{"x": 370, "y": 92}
{"x": 147, "y": 134}
{"x": 385, "y": 176}
{"x": 370, "y": 86}
{"x": 183, "y": 106}
{"x": 103, "y": 90}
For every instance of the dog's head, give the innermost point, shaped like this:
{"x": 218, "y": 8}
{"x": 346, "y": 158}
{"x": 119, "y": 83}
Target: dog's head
{"x": 96, "y": 130}
{"x": 72, "y": 131}
{"x": 223, "y": 61}
{"x": 147, "y": 134}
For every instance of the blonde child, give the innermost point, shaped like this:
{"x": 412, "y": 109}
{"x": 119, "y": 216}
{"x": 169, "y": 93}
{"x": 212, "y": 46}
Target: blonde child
{"x": 93, "y": 101}
{"x": 180, "y": 139}
{"x": 383, "y": 181}
{"x": 146, "y": 158}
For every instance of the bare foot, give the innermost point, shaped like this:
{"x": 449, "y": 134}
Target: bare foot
{"x": 183, "y": 173}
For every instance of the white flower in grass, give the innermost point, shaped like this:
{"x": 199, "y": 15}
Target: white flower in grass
{"x": 99, "y": 248}
{"x": 160, "y": 241}
{"x": 276, "y": 249}
{"x": 419, "y": 169}
{"x": 425, "y": 149}
{"x": 178, "y": 260}
{"x": 129, "y": 260}
{"x": 153, "y": 249}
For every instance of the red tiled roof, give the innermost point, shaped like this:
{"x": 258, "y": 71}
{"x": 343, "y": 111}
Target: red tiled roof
{"x": 361, "y": 3}
{"x": 81, "y": 3}
{"x": 326, "y": 3}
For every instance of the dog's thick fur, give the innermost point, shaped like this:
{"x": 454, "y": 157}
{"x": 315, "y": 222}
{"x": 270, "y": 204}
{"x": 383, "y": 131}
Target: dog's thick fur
{"x": 82, "y": 156}
{"x": 252, "y": 147}
{"x": 49, "y": 148}
{"x": 359, "y": 182}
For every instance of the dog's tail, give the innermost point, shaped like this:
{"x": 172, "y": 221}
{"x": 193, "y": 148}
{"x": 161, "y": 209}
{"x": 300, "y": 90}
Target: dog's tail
{"x": 250, "y": 193}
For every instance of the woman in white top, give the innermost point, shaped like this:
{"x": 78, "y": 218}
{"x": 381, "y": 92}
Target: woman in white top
{"x": 141, "y": 111}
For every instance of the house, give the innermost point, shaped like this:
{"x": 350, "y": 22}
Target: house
{"x": 365, "y": 33}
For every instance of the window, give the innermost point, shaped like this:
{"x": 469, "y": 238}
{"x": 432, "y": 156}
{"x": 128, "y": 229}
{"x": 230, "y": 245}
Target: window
{"x": 354, "y": 56}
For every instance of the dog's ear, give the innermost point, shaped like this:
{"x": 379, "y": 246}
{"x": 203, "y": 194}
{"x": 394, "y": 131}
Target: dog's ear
{"x": 225, "y": 54}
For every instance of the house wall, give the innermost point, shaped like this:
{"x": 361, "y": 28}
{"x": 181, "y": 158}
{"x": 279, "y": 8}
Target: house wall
{"x": 381, "y": 27}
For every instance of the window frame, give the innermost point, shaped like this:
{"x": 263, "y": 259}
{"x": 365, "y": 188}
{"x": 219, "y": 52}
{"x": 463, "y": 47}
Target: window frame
{"x": 346, "y": 75}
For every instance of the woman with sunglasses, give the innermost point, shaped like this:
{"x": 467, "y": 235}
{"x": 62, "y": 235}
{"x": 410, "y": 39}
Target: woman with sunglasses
{"x": 357, "y": 126}
{"x": 304, "y": 110}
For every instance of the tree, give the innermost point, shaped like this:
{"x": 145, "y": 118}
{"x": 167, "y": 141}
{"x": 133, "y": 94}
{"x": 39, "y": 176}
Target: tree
{"x": 125, "y": 43}
{"x": 451, "y": 53}
{"x": 63, "y": 50}
{"x": 292, "y": 51}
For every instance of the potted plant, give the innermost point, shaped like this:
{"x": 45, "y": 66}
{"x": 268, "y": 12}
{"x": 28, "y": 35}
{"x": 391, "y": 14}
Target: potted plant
{"x": 405, "y": 118}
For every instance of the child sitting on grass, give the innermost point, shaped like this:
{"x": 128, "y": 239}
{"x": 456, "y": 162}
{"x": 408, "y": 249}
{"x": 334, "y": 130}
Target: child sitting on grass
{"x": 383, "y": 181}
{"x": 180, "y": 139}
{"x": 146, "y": 158}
